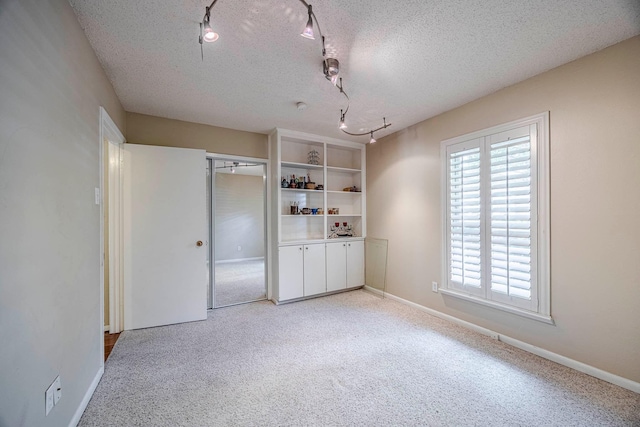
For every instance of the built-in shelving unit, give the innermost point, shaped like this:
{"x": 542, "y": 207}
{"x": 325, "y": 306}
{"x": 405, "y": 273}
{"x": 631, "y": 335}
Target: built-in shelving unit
{"x": 340, "y": 173}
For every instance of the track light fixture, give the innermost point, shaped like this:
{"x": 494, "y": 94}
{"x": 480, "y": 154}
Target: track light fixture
{"x": 330, "y": 66}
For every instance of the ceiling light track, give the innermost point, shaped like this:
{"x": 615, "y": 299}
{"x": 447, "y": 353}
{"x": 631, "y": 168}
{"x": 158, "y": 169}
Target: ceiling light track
{"x": 330, "y": 66}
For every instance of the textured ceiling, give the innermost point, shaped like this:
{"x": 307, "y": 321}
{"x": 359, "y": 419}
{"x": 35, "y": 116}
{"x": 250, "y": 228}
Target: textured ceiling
{"x": 404, "y": 60}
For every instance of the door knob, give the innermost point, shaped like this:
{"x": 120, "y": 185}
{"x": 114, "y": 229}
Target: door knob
{"x": 199, "y": 243}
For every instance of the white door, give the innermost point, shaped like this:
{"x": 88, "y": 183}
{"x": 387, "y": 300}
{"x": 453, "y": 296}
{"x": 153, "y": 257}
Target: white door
{"x": 336, "y": 266}
{"x": 355, "y": 264}
{"x": 291, "y": 273}
{"x": 165, "y": 231}
{"x": 314, "y": 270}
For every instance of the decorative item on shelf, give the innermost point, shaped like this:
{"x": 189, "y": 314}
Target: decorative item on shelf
{"x": 338, "y": 231}
{"x": 313, "y": 158}
{"x": 306, "y": 211}
{"x": 320, "y": 187}
{"x": 314, "y": 211}
{"x": 300, "y": 184}
{"x": 310, "y": 185}
{"x": 294, "y": 208}
{"x": 334, "y": 211}
{"x": 353, "y": 189}
{"x": 284, "y": 183}
{"x": 320, "y": 211}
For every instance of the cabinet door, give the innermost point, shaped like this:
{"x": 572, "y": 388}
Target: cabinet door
{"x": 355, "y": 264}
{"x": 290, "y": 283}
{"x": 336, "y": 266}
{"x": 314, "y": 270}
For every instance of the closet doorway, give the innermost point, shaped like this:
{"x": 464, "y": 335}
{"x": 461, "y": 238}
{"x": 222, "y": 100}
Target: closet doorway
{"x": 237, "y": 208}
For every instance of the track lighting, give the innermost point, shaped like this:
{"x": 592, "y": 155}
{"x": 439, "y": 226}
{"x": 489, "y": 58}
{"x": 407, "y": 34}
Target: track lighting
{"x": 330, "y": 66}
{"x": 308, "y": 30}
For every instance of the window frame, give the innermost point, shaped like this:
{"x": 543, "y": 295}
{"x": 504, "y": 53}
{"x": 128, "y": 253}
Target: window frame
{"x": 540, "y": 173}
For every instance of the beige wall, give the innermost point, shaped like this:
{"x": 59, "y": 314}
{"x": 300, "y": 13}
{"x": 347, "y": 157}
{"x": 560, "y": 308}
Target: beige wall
{"x": 51, "y": 88}
{"x": 151, "y": 130}
{"x": 594, "y": 106}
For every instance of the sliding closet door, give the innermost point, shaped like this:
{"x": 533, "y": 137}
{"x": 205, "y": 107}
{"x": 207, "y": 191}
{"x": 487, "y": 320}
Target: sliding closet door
{"x": 165, "y": 235}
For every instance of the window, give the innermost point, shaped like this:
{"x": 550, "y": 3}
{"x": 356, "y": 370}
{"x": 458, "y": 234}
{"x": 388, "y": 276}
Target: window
{"x": 496, "y": 217}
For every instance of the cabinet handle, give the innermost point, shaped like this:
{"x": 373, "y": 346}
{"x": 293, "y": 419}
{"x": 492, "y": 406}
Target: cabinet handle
{"x": 300, "y": 248}
{"x": 344, "y": 244}
{"x": 306, "y": 248}
{"x": 349, "y": 244}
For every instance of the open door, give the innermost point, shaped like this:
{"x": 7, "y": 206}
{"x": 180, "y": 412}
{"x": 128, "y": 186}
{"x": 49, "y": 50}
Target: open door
{"x": 165, "y": 236}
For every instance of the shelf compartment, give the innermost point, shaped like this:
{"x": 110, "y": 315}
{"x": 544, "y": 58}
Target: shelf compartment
{"x": 354, "y": 220}
{"x": 346, "y": 158}
{"x": 300, "y": 228}
{"x": 295, "y": 151}
{"x": 347, "y": 203}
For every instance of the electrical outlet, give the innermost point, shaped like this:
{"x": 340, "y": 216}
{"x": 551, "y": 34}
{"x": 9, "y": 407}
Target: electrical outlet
{"x": 434, "y": 286}
{"x": 48, "y": 400}
{"x": 239, "y": 248}
{"x": 57, "y": 390}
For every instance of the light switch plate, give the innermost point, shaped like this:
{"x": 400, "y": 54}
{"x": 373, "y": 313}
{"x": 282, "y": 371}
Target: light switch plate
{"x": 48, "y": 400}
{"x": 57, "y": 390}
{"x": 434, "y": 286}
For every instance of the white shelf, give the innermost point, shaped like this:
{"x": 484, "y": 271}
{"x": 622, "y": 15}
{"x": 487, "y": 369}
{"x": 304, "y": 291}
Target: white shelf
{"x": 302, "y": 215}
{"x": 344, "y": 170}
{"x": 294, "y": 165}
{"x": 301, "y": 189}
{"x": 339, "y": 215}
{"x": 344, "y": 192}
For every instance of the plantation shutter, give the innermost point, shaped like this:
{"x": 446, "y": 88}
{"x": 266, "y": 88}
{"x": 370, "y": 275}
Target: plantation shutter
{"x": 510, "y": 211}
{"x": 465, "y": 210}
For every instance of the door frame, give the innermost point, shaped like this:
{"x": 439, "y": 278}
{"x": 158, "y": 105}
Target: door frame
{"x": 111, "y": 174}
{"x": 267, "y": 217}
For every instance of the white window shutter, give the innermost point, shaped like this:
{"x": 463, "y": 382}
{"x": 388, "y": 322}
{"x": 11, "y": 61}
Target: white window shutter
{"x": 510, "y": 218}
{"x": 465, "y": 211}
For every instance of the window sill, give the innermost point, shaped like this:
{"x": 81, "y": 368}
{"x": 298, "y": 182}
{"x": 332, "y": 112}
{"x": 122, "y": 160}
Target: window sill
{"x": 513, "y": 310}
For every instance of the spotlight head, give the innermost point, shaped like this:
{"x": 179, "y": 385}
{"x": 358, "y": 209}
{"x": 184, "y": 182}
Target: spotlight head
{"x": 331, "y": 68}
{"x": 372, "y": 140}
{"x": 343, "y": 125}
{"x": 308, "y": 29}
{"x": 209, "y": 35}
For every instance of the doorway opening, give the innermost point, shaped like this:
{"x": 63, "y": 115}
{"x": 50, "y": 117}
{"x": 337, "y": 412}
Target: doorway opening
{"x": 237, "y": 212}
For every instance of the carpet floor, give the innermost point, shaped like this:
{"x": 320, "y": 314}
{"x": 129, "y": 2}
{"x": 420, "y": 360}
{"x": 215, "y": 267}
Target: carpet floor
{"x": 239, "y": 281}
{"x": 351, "y": 359}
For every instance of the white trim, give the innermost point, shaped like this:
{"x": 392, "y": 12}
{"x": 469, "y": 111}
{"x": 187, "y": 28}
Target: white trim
{"x": 374, "y": 291}
{"x": 109, "y": 130}
{"x": 493, "y": 304}
{"x": 546, "y": 354}
{"x": 218, "y": 156}
{"x": 106, "y": 328}
{"x": 87, "y": 397}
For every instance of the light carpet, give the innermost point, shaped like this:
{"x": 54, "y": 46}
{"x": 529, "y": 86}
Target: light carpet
{"x": 349, "y": 359}
{"x": 239, "y": 281}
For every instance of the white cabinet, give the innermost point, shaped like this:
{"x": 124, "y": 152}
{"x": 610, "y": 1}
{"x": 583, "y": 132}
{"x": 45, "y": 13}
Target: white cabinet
{"x": 318, "y": 218}
{"x": 301, "y": 271}
{"x": 355, "y": 264}
{"x": 291, "y": 273}
{"x": 314, "y": 273}
{"x": 336, "y": 266}
{"x": 345, "y": 265}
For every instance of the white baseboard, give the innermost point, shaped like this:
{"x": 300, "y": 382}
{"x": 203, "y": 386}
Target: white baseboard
{"x": 554, "y": 357}
{"x": 87, "y": 397}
